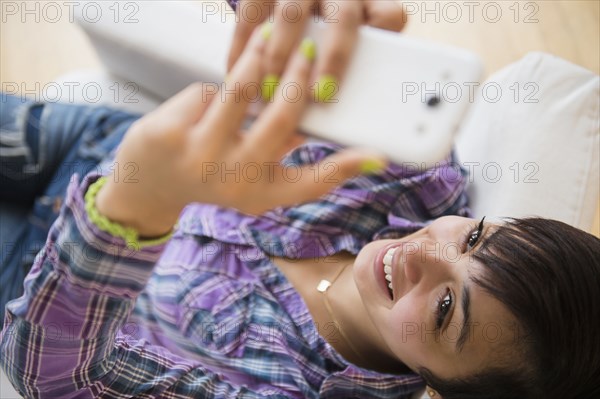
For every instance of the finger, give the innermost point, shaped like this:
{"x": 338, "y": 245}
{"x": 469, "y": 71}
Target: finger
{"x": 279, "y": 120}
{"x": 250, "y": 14}
{"x": 225, "y": 116}
{"x": 188, "y": 106}
{"x": 289, "y": 23}
{"x": 310, "y": 182}
{"x": 385, "y": 14}
{"x": 338, "y": 43}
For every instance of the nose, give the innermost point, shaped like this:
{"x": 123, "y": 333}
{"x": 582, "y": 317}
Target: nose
{"x": 432, "y": 255}
{"x": 422, "y": 260}
{"x": 412, "y": 270}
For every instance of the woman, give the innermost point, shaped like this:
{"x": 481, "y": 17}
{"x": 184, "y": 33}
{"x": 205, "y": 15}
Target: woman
{"x": 297, "y": 302}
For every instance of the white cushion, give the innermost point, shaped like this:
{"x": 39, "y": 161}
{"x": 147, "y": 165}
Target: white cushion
{"x": 535, "y": 154}
{"x": 6, "y": 389}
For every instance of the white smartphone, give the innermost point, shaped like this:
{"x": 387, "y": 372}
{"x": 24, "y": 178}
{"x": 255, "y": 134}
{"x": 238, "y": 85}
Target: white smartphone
{"x": 401, "y": 96}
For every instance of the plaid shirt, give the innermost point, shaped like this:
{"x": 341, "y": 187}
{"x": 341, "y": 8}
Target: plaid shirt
{"x": 208, "y": 314}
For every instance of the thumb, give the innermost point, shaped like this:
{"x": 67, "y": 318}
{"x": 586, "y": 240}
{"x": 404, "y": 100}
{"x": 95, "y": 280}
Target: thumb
{"x": 318, "y": 179}
{"x": 355, "y": 161}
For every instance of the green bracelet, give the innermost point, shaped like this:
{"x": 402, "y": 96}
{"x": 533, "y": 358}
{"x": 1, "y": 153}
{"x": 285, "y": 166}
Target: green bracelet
{"x": 128, "y": 234}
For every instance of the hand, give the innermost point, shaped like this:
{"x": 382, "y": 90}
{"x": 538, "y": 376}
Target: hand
{"x": 191, "y": 149}
{"x": 289, "y": 17}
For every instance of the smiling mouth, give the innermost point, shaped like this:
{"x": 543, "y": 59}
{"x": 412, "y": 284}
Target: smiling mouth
{"x": 387, "y": 269}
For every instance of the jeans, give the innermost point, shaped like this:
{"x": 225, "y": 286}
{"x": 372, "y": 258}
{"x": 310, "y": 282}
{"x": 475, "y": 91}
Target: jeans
{"x": 41, "y": 146}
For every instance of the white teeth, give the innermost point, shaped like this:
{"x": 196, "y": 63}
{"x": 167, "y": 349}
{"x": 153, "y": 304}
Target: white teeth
{"x": 389, "y": 255}
{"x": 387, "y": 259}
{"x": 387, "y": 265}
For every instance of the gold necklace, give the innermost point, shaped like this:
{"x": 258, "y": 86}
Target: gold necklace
{"x": 322, "y": 287}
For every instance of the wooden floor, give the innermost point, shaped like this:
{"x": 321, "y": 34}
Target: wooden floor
{"x": 33, "y": 53}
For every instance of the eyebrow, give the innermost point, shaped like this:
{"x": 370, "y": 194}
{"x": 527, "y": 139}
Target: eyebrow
{"x": 465, "y": 330}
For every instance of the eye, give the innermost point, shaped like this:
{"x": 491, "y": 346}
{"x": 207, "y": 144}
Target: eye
{"x": 472, "y": 240}
{"x": 442, "y": 308}
{"x": 474, "y": 236}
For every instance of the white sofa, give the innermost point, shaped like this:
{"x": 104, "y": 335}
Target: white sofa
{"x": 537, "y": 154}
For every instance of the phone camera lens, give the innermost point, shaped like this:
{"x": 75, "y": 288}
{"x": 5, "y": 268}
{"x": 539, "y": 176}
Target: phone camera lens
{"x": 433, "y": 101}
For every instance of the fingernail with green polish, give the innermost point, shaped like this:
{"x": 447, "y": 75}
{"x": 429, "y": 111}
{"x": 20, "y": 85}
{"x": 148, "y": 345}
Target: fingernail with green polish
{"x": 269, "y": 84}
{"x": 327, "y": 87}
{"x": 308, "y": 48}
{"x": 266, "y": 30}
{"x": 372, "y": 166}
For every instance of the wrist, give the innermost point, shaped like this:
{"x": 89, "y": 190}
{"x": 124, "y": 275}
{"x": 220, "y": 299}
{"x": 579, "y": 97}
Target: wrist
{"x": 124, "y": 209}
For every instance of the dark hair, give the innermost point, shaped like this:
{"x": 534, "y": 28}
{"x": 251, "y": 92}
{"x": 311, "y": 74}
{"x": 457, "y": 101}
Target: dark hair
{"x": 547, "y": 274}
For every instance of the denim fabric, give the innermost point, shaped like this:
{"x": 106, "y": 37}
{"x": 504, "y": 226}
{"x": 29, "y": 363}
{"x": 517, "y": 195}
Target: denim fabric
{"x": 41, "y": 146}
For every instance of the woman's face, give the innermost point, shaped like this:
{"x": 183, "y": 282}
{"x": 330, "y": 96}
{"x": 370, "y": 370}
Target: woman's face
{"x": 434, "y": 316}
